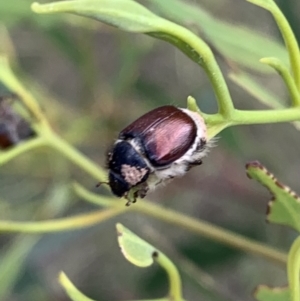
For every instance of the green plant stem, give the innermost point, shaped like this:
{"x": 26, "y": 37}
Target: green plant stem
{"x": 76, "y": 295}
{"x": 175, "y": 291}
{"x": 192, "y": 105}
{"x": 210, "y": 231}
{"x": 11, "y": 81}
{"x": 6, "y": 156}
{"x": 63, "y": 224}
{"x": 287, "y": 34}
{"x": 242, "y": 117}
{"x": 71, "y": 290}
{"x": 290, "y": 42}
{"x": 204, "y": 58}
{"x": 216, "y": 122}
{"x": 288, "y": 79}
{"x": 194, "y": 225}
{"x": 74, "y": 155}
{"x": 293, "y": 270}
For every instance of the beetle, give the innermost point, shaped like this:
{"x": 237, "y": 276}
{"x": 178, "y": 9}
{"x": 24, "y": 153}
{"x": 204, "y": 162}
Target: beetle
{"x": 157, "y": 147}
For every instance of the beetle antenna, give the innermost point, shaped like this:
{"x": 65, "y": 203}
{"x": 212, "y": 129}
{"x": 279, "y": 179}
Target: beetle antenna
{"x": 100, "y": 183}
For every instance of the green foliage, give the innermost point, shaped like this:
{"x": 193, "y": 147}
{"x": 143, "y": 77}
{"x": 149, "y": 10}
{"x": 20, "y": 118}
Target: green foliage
{"x": 124, "y": 14}
{"x": 135, "y": 250}
{"x": 287, "y": 34}
{"x": 264, "y": 293}
{"x": 237, "y": 44}
{"x": 284, "y": 208}
{"x": 193, "y": 47}
{"x": 142, "y": 254}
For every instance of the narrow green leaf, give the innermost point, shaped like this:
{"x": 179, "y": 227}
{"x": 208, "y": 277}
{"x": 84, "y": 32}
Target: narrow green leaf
{"x": 236, "y": 43}
{"x": 131, "y": 16}
{"x": 12, "y": 263}
{"x": 135, "y": 249}
{"x": 125, "y": 14}
{"x": 142, "y": 254}
{"x": 71, "y": 290}
{"x": 284, "y": 208}
{"x": 130, "y": 244}
{"x": 265, "y": 293}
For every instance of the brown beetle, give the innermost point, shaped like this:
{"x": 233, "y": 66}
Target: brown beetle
{"x": 159, "y": 146}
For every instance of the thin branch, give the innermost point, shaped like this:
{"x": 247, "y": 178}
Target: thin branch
{"x": 21, "y": 148}
{"x": 293, "y": 269}
{"x": 197, "y": 226}
{"x": 204, "y": 57}
{"x": 288, "y": 79}
{"x": 63, "y": 224}
{"x": 287, "y": 34}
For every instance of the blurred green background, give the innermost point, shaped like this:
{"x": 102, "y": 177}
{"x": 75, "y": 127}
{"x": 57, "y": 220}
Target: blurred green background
{"x": 92, "y": 80}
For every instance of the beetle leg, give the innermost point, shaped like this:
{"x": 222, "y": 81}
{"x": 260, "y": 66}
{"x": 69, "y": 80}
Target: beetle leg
{"x": 143, "y": 191}
{"x": 135, "y": 196}
{"x": 193, "y": 164}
